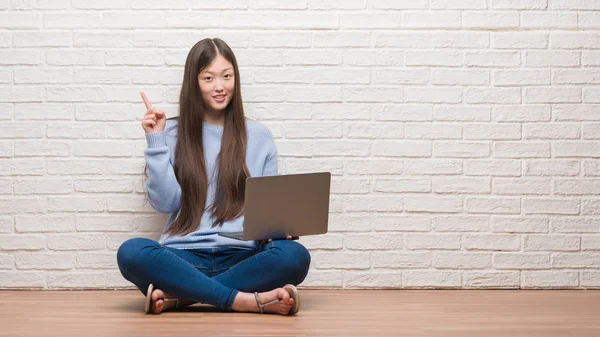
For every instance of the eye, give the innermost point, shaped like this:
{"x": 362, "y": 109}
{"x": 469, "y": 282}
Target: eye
{"x": 207, "y": 78}
{"x": 228, "y": 76}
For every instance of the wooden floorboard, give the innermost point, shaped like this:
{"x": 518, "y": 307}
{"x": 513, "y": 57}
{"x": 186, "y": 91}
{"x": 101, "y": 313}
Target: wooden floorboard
{"x": 514, "y": 313}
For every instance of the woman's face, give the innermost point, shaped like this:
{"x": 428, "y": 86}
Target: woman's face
{"x": 217, "y": 83}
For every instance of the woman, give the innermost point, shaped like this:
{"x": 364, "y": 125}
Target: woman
{"x": 197, "y": 165}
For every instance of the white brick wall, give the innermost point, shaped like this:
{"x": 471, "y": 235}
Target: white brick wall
{"x": 463, "y": 135}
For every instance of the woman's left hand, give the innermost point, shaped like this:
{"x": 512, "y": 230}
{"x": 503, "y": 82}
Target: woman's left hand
{"x": 287, "y": 238}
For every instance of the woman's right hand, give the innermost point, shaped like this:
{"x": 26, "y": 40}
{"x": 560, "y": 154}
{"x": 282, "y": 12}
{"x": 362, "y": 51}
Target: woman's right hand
{"x": 154, "y": 120}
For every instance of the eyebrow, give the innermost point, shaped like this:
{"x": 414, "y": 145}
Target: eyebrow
{"x": 210, "y": 72}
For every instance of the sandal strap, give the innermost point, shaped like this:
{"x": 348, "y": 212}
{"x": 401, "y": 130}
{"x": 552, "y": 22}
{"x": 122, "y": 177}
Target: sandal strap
{"x": 262, "y": 305}
{"x": 176, "y": 300}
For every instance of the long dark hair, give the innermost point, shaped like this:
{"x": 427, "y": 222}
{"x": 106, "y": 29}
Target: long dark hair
{"x": 190, "y": 166}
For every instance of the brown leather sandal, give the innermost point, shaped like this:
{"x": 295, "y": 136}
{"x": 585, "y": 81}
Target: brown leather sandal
{"x": 149, "y": 299}
{"x": 294, "y": 294}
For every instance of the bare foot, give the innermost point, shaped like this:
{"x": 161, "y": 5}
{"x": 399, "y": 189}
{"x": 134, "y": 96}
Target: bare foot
{"x": 246, "y": 302}
{"x": 158, "y": 305}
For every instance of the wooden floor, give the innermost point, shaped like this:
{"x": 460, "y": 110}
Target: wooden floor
{"x": 482, "y": 313}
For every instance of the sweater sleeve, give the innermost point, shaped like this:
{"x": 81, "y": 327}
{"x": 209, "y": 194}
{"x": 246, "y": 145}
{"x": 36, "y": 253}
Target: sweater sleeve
{"x": 164, "y": 192}
{"x": 271, "y": 166}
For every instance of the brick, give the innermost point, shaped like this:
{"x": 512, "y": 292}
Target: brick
{"x": 43, "y": 39}
{"x": 404, "y": 113}
{"x": 495, "y": 95}
{"x": 23, "y": 204}
{"x": 279, "y": 111}
{"x": 492, "y": 131}
{"x": 433, "y": 95}
{"x": 574, "y": 4}
{"x": 462, "y": 260}
{"x": 22, "y": 280}
{"x": 432, "y": 166}
{"x": 22, "y": 130}
{"x": 521, "y": 77}
{"x": 49, "y": 261}
{"x": 521, "y": 149}
{"x": 521, "y": 186}
{"x": 397, "y": 4}
{"x": 333, "y": 242}
{"x": 576, "y": 225}
{"x": 40, "y": 4}
{"x": 550, "y": 206}
{"x": 551, "y": 131}
{"x": 589, "y": 243}
{"x": 490, "y": 20}
{"x": 552, "y": 243}
{"x": 574, "y": 40}
{"x": 323, "y": 279}
{"x": 22, "y": 242}
{"x": 460, "y": 77}
{"x": 74, "y": 57}
{"x": 576, "y": 149}
{"x": 372, "y": 166}
{"x": 521, "y": 261}
{"x": 492, "y": 59}
{"x": 463, "y": 149}
{"x": 365, "y": 94}
{"x": 548, "y": 279}
{"x": 493, "y": 205}
{"x": 461, "y": 185}
{"x": 76, "y": 241}
{"x": 77, "y": 20}
{"x": 337, "y": 147}
{"x": 47, "y": 223}
{"x": 374, "y": 130}
{"x": 576, "y": 260}
{"x": 374, "y": 280}
{"x": 494, "y": 242}
{"x": 590, "y": 207}
{"x": 22, "y": 166}
{"x": 404, "y": 223}
{"x": 103, "y": 185}
{"x": 520, "y": 224}
{"x": 372, "y": 57}
{"x": 96, "y": 260}
{"x": 434, "y": 204}
{"x": 401, "y": 260}
{"x": 400, "y": 148}
{"x": 367, "y": 203}
{"x": 591, "y": 131}
{"x": 462, "y": 113}
{"x": 334, "y": 4}
{"x": 76, "y": 203}
{"x": 21, "y": 57}
{"x": 588, "y": 58}
{"x": 458, "y": 4}
{"x": 548, "y": 20}
{"x": 589, "y": 279}
{"x": 43, "y": 186}
{"x": 431, "y": 19}
{"x": 399, "y": 76}
{"x": 403, "y": 185}
{"x": 78, "y": 279}
{"x": 431, "y": 279}
{"x": 298, "y": 165}
{"x": 370, "y": 20}
{"x": 432, "y": 241}
{"x": 350, "y": 222}
{"x": 373, "y": 241}
{"x": 491, "y": 279}
{"x": 19, "y": 94}
{"x": 519, "y": 4}
{"x": 591, "y": 167}
{"x": 553, "y": 58}
{"x": 342, "y": 260}
{"x": 49, "y": 148}
{"x": 460, "y": 224}
{"x": 554, "y": 167}
{"x": 409, "y": 40}
{"x": 591, "y": 95}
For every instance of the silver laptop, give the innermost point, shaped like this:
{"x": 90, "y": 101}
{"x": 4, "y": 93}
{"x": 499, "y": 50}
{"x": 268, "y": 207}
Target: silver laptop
{"x": 278, "y": 206}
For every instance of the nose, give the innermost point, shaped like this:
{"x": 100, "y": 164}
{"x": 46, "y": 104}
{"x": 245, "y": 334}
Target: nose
{"x": 218, "y": 85}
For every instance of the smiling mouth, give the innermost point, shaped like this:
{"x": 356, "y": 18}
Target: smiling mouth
{"x": 219, "y": 98}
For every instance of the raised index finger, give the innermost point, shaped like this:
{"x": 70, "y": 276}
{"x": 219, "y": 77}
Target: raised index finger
{"x": 146, "y": 100}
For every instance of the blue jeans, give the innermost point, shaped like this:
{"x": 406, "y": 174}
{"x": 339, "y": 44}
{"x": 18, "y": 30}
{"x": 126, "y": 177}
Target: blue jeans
{"x": 212, "y": 275}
